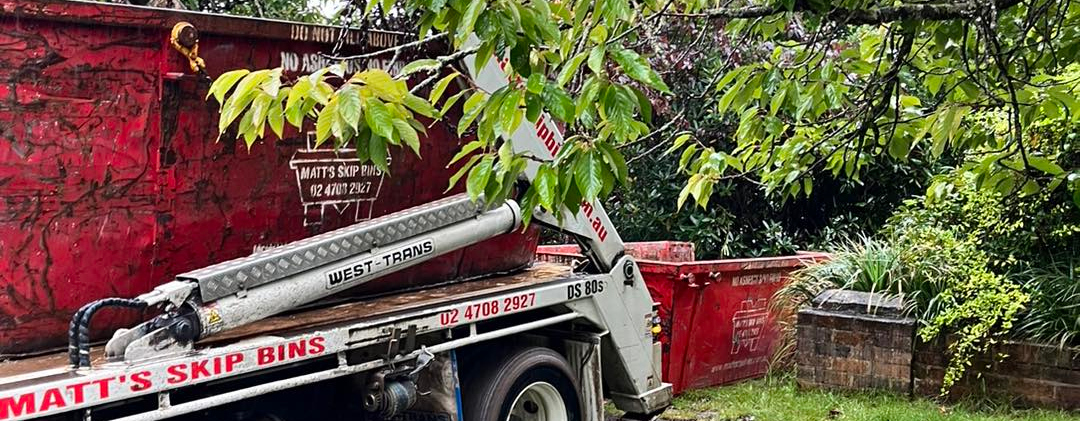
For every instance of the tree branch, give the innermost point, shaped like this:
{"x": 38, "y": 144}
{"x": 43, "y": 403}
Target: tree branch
{"x": 870, "y": 16}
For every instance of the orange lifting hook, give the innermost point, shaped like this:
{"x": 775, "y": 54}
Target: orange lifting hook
{"x": 185, "y": 39}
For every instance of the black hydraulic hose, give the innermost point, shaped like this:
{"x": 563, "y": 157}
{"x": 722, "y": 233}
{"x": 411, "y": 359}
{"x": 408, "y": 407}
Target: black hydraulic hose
{"x": 79, "y": 333}
{"x": 73, "y": 337}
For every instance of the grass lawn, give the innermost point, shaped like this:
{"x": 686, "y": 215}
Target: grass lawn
{"x": 781, "y": 400}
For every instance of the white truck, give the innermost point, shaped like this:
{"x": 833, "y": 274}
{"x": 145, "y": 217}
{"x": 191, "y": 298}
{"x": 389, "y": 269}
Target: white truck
{"x": 228, "y": 342}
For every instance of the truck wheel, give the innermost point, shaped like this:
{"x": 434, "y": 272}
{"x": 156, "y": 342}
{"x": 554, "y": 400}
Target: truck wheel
{"x": 530, "y": 384}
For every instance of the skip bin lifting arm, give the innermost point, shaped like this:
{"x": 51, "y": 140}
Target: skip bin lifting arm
{"x": 246, "y": 290}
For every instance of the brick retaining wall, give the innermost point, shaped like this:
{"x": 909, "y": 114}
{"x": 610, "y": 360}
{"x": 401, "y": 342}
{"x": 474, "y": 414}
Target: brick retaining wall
{"x": 841, "y": 346}
{"x": 850, "y": 340}
{"x": 1029, "y": 375}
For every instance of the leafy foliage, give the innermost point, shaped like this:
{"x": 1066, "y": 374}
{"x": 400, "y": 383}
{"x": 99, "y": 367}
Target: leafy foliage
{"x": 544, "y": 46}
{"x": 974, "y": 304}
{"x": 843, "y": 83}
{"x": 1054, "y": 314}
{"x": 292, "y": 10}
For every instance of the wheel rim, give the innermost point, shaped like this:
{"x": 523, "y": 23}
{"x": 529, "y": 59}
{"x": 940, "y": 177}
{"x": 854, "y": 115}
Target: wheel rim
{"x": 539, "y": 401}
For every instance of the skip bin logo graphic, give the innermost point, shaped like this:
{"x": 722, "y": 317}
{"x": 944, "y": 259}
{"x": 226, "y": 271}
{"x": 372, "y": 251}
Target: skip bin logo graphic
{"x": 748, "y": 324}
{"x": 334, "y": 182}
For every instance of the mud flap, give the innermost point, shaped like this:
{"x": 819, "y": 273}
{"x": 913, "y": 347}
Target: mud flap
{"x": 583, "y": 354}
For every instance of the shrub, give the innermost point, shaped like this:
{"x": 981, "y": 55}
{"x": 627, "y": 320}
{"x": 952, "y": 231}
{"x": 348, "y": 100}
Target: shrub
{"x": 930, "y": 256}
{"x": 1054, "y": 314}
{"x": 862, "y": 264}
{"x": 941, "y": 248}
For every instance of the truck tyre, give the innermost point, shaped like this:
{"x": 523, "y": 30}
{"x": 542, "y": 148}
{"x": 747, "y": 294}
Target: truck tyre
{"x": 529, "y": 384}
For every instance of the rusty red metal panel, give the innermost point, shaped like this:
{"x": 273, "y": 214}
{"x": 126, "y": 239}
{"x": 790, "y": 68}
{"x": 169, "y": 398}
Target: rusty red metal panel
{"x": 716, "y": 326}
{"x": 112, "y": 181}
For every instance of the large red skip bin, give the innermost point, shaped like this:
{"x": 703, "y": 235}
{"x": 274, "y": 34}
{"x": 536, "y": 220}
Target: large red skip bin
{"x": 717, "y": 327}
{"x": 112, "y": 182}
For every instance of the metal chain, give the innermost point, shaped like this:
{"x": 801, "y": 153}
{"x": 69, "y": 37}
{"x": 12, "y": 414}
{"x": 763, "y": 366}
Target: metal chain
{"x": 344, "y": 31}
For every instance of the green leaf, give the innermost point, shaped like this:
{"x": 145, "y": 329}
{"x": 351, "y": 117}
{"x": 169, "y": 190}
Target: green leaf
{"x": 644, "y": 105}
{"x": 680, "y": 140}
{"x": 325, "y": 123}
{"x": 545, "y": 184}
{"x": 378, "y": 118}
{"x": 420, "y": 106}
{"x": 424, "y": 64}
{"x": 598, "y": 35}
{"x": 777, "y": 101}
{"x": 250, "y": 82}
{"x": 569, "y": 69}
{"x": 468, "y": 21}
{"x": 223, "y": 83}
{"x": 559, "y": 103}
{"x": 535, "y": 83}
{"x": 466, "y": 150}
{"x": 275, "y": 117}
{"x": 295, "y": 116}
{"x": 533, "y": 106}
{"x": 899, "y": 147}
{"x": 686, "y": 190}
{"x": 686, "y": 155}
{"x": 934, "y": 82}
{"x": 507, "y": 111}
{"x": 259, "y": 108}
{"x": 615, "y": 161}
{"x": 1030, "y": 187}
{"x": 450, "y": 103}
{"x": 588, "y": 96}
{"x": 638, "y": 69}
{"x": 483, "y": 55}
{"x": 460, "y": 172}
{"x": 596, "y": 58}
{"x": 588, "y": 175}
{"x": 472, "y": 108}
{"x": 408, "y": 135}
{"x": 440, "y": 87}
{"x": 297, "y": 94}
{"x": 478, "y": 177}
{"x": 728, "y": 77}
{"x": 383, "y": 85}
{"x": 1045, "y": 165}
{"x": 379, "y": 154}
{"x": 321, "y": 92}
{"x": 272, "y": 84}
{"x": 348, "y": 105}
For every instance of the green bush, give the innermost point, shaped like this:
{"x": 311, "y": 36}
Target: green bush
{"x": 947, "y": 259}
{"x": 862, "y": 264}
{"x": 1054, "y": 313}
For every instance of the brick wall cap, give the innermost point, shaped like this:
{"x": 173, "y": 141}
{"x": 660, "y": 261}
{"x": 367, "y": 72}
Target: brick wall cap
{"x": 875, "y": 318}
{"x": 857, "y": 302}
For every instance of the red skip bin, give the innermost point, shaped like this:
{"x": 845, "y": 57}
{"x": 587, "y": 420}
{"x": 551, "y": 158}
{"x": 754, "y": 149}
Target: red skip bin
{"x": 717, "y": 328}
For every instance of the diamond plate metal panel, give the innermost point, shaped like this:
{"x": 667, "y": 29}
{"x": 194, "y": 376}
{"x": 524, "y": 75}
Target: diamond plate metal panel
{"x": 267, "y": 266}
